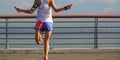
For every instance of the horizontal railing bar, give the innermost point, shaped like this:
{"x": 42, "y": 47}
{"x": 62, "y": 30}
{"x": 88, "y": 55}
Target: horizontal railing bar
{"x": 109, "y": 27}
{"x": 52, "y": 37}
{"x": 74, "y": 21}
{"x": 19, "y": 33}
{"x": 56, "y": 44}
{"x": 80, "y": 43}
{"x": 86, "y": 33}
{"x": 2, "y": 44}
{"x": 53, "y": 27}
{"x": 28, "y": 39}
{"x": 73, "y": 43}
{"x": 108, "y": 38}
{"x": 18, "y": 27}
{"x": 73, "y": 32}
{"x": 56, "y": 33}
{"x": 19, "y": 22}
{"x": 90, "y": 38}
{"x": 74, "y": 27}
{"x": 71, "y": 22}
{"x": 71, "y": 38}
{"x": 107, "y": 43}
{"x": 23, "y": 44}
{"x": 108, "y": 32}
{"x": 69, "y": 44}
{"x": 64, "y": 16}
{"x": 54, "y": 22}
{"x": 65, "y": 22}
{"x": 86, "y": 38}
{"x": 108, "y": 21}
{"x": 69, "y": 33}
{"x": 20, "y": 39}
{"x": 70, "y": 27}
{"x": 66, "y": 27}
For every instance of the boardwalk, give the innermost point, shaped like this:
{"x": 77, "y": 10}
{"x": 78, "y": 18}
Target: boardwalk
{"x": 82, "y": 54}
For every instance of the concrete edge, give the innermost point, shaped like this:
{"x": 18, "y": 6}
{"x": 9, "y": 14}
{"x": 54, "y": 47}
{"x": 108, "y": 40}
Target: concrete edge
{"x": 59, "y": 50}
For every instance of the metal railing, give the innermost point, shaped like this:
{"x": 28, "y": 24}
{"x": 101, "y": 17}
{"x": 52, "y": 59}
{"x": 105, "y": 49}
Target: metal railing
{"x": 90, "y": 31}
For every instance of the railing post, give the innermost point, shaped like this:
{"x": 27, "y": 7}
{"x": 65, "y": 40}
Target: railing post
{"x": 7, "y": 43}
{"x": 96, "y": 33}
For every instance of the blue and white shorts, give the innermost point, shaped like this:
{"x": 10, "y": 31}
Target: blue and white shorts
{"x": 44, "y": 26}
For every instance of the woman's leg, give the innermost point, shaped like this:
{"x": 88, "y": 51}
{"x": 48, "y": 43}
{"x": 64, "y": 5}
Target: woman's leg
{"x": 46, "y": 43}
{"x": 38, "y": 36}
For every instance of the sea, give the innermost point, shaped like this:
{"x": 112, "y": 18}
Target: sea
{"x": 67, "y": 33}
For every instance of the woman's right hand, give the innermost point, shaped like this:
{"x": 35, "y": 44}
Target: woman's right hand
{"x": 18, "y": 9}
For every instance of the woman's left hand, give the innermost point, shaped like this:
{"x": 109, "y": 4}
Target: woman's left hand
{"x": 69, "y": 6}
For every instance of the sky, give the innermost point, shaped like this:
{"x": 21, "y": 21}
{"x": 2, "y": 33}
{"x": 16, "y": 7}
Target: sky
{"x": 79, "y": 6}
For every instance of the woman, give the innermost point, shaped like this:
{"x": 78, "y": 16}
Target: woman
{"x": 44, "y": 20}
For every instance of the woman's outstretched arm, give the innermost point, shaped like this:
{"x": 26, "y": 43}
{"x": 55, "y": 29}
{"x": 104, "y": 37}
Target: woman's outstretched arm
{"x": 59, "y": 9}
{"x": 31, "y": 10}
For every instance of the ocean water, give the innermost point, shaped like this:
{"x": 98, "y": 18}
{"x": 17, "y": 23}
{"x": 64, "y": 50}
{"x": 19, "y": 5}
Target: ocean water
{"x": 67, "y": 33}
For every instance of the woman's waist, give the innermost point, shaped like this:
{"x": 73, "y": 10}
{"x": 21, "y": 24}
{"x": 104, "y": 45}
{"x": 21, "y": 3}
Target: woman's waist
{"x": 44, "y": 16}
{"x": 44, "y": 11}
{"x": 44, "y": 19}
{"x": 50, "y": 20}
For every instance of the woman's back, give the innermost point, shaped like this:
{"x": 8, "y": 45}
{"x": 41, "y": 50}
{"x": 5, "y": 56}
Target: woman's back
{"x": 44, "y": 12}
